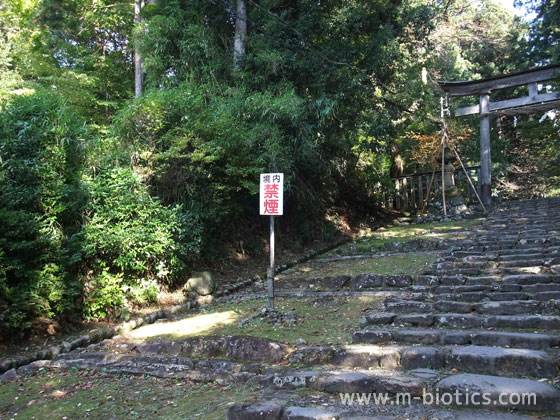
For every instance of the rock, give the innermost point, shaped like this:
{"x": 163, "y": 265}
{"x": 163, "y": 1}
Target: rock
{"x": 508, "y": 296}
{"x": 294, "y": 380}
{"x": 170, "y": 348}
{"x": 426, "y": 280}
{"x": 420, "y": 320}
{"x": 335, "y": 283}
{"x": 501, "y": 361}
{"x": 65, "y": 347}
{"x": 300, "y": 413}
{"x": 461, "y": 389}
{"x": 346, "y": 382}
{"x": 408, "y": 306}
{"x": 451, "y": 306}
{"x": 33, "y": 367}
{"x": 256, "y": 349}
{"x": 5, "y": 365}
{"x": 365, "y": 281}
{"x": 418, "y": 336}
{"x": 473, "y": 296}
{"x": 523, "y": 321}
{"x": 456, "y": 337}
{"x": 514, "y": 339}
{"x": 452, "y": 280}
{"x": 301, "y": 342}
{"x": 424, "y": 373}
{"x": 371, "y": 336}
{"x": 266, "y": 410}
{"x": 458, "y": 320}
{"x": 205, "y": 300}
{"x": 398, "y": 281}
{"x": 526, "y": 279}
{"x": 423, "y": 357}
{"x": 514, "y": 307}
{"x": 377, "y": 318}
{"x": 400, "y": 384}
{"x": 201, "y": 283}
{"x": 9, "y": 376}
{"x": 367, "y": 357}
{"x": 206, "y": 346}
{"x": 315, "y": 355}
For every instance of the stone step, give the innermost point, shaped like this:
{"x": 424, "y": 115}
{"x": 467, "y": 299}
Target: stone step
{"x": 480, "y": 296}
{"x": 334, "y": 382}
{"x": 458, "y": 320}
{"x": 493, "y": 307}
{"x": 274, "y": 410}
{"x": 473, "y": 359}
{"x": 158, "y": 366}
{"x": 525, "y": 255}
{"x": 458, "y": 337}
{"x": 468, "y": 390}
{"x": 482, "y": 359}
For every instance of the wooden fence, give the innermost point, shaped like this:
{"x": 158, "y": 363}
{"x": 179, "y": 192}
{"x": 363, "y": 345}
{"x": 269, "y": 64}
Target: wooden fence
{"x": 411, "y": 190}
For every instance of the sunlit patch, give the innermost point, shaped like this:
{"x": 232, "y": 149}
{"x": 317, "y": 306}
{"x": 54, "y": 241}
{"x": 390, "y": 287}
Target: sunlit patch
{"x": 194, "y": 325}
{"x": 58, "y": 393}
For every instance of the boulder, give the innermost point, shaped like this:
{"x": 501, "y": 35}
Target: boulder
{"x": 201, "y": 283}
{"x": 266, "y": 410}
{"x": 256, "y": 349}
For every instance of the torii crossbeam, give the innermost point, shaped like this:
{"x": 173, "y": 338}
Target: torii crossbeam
{"x": 535, "y": 101}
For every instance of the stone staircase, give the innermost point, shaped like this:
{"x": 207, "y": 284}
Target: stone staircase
{"x": 475, "y": 337}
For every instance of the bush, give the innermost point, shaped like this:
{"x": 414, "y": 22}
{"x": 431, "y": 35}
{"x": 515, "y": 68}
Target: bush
{"x": 41, "y": 201}
{"x": 132, "y": 242}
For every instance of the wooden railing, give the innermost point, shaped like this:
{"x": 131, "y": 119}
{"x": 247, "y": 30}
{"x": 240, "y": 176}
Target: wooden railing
{"x": 411, "y": 190}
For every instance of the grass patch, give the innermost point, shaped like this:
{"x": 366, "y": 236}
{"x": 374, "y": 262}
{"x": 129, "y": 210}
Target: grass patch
{"x": 410, "y": 264}
{"x": 73, "y": 395}
{"x": 406, "y": 233}
{"x": 317, "y": 323}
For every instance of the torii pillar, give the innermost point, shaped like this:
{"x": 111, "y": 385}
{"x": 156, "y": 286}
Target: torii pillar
{"x": 535, "y": 101}
{"x": 485, "y": 156}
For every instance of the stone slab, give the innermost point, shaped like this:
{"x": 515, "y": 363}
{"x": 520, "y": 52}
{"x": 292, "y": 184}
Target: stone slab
{"x": 462, "y": 388}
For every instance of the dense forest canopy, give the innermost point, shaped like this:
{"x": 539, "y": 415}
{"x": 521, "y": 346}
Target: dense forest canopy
{"x": 106, "y": 197}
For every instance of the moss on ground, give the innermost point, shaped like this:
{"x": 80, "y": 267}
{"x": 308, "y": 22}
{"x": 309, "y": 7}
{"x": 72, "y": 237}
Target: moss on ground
{"x": 319, "y": 321}
{"x": 412, "y": 264}
{"x": 405, "y": 233}
{"x": 77, "y": 395}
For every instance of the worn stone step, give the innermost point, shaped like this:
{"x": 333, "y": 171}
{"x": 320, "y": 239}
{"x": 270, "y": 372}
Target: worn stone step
{"x": 275, "y": 410}
{"x": 368, "y": 356}
{"x": 491, "y": 307}
{"x": 501, "y": 361}
{"x": 500, "y": 392}
{"x": 522, "y": 321}
{"x": 521, "y": 256}
{"x": 158, "y": 366}
{"x": 460, "y": 320}
{"x": 507, "y": 271}
{"x": 459, "y": 337}
{"x": 388, "y": 381}
{"x": 481, "y": 359}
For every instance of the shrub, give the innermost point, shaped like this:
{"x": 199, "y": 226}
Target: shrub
{"x": 41, "y": 201}
{"x": 132, "y": 242}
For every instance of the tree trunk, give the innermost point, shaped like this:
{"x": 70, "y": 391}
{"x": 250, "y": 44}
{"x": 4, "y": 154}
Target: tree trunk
{"x": 138, "y": 70}
{"x": 240, "y": 39}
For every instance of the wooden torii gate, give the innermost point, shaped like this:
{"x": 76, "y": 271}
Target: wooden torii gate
{"x": 535, "y": 101}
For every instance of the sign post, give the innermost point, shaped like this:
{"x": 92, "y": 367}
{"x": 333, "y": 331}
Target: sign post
{"x": 271, "y": 204}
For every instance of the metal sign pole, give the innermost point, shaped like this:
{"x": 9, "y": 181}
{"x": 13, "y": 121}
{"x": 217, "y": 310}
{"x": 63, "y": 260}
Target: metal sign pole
{"x": 270, "y": 273}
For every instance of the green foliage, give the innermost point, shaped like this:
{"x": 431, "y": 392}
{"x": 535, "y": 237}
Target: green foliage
{"x": 132, "y": 236}
{"x": 41, "y": 146}
{"x": 104, "y": 294}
